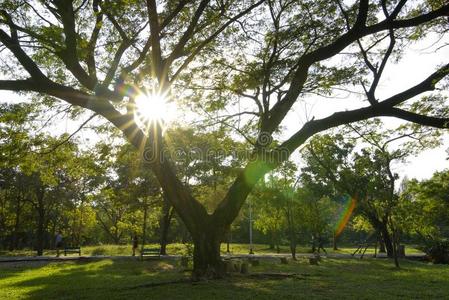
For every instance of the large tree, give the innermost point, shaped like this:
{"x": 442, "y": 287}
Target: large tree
{"x": 99, "y": 55}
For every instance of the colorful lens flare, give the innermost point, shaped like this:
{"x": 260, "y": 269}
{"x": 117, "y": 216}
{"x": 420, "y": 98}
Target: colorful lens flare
{"x": 346, "y": 215}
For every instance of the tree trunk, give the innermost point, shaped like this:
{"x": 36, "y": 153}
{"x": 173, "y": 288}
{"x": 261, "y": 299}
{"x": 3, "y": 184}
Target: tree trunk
{"x": 293, "y": 247}
{"x": 313, "y": 244}
{"x": 165, "y": 225}
{"x": 40, "y": 222}
{"x": 395, "y": 253}
{"x": 292, "y": 238}
{"x": 14, "y": 240}
{"x": 272, "y": 240}
{"x": 207, "y": 261}
{"x": 386, "y": 237}
{"x": 40, "y": 233}
{"x": 395, "y": 244}
{"x": 334, "y": 242}
{"x": 144, "y": 226}
{"x": 228, "y": 241}
{"x": 381, "y": 245}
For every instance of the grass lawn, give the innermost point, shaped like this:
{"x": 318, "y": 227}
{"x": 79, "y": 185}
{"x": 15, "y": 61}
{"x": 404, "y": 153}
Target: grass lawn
{"x": 178, "y": 248}
{"x": 126, "y": 279}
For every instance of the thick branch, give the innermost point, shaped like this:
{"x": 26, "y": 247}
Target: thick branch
{"x": 93, "y": 40}
{"x": 426, "y": 85}
{"x": 69, "y": 54}
{"x": 359, "y": 30}
{"x": 156, "y": 55}
{"x": 418, "y": 119}
{"x": 23, "y": 58}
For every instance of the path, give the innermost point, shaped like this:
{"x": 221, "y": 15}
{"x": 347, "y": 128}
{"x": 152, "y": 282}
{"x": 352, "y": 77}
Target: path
{"x": 6, "y": 259}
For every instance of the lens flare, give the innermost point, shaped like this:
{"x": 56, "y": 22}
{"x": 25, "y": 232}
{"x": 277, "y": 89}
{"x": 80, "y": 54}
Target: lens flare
{"x": 346, "y": 215}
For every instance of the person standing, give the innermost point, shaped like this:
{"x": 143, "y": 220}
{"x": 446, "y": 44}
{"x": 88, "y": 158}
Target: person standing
{"x": 58, "y": 242}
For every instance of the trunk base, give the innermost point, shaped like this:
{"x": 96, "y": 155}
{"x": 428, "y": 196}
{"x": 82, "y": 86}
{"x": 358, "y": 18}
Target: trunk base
{"x": 207, "y": 263}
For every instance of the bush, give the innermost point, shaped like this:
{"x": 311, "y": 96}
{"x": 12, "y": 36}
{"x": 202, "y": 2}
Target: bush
{"x": 99, "y": 251}
{"x": 437, "y": 250}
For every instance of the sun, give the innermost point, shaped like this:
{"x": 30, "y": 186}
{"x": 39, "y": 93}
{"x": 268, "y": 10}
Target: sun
{"x": 153, "y": 107}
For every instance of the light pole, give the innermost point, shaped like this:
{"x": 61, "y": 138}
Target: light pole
{"x": 250, "y": 229}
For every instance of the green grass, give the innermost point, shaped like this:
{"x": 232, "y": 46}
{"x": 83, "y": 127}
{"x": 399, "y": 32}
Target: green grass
{"x": 181, "y": 249}
{"x": 126, "y": 279}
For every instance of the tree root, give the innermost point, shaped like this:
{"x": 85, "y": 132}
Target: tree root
{"x": 274, "y": 275}
{"x": 155, "y": 284}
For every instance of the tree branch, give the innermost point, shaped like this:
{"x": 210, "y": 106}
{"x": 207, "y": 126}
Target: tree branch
{"x": 54, "y": 147}
{"x": 179, "y": 48}
{"x": 208, "y": 40}
{"x": 156, "y": 54}
{"x": 69, "y": 54}
{"x": 23, "y": 58}
{"x": 436, "y": 122}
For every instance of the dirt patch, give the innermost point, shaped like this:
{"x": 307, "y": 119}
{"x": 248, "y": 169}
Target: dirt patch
{"x": 20, "y": 264}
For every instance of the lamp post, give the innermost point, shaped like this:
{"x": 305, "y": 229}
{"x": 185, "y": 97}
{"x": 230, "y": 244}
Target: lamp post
{"x": 250, "y": 229}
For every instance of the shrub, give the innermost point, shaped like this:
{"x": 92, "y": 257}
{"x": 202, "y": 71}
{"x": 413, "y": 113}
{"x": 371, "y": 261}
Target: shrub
{"x": 99, "y": 251}
{"x": 437, "y": 250}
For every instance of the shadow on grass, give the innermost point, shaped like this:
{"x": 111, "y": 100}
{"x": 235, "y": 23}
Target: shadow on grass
{"x": 83, "y": 280}
{"x": 123, "y": 279}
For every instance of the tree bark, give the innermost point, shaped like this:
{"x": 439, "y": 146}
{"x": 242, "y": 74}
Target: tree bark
{"x": 40, "y": 222}
{"x": 167, "y": 213}
{"x": 207, "y": 261}
{"x": 381, "y": 246}
{"x": 386, "y": 237}
{"x": 144, "y": 226}
{"x": 334, "y": 241}
{"x": 40, "y": 233}
{"x": 14, "y": 240}
{"x": 293, "y": 247}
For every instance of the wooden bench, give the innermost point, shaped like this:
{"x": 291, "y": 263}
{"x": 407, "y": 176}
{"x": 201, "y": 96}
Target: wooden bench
{"x": 72, "y": 250}
{"x": 150, "y": 252}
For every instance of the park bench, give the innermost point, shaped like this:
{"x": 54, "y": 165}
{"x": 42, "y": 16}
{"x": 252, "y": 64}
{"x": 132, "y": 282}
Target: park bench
{"x": 72, "y": 250}
{"x": 150, "y": 252}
